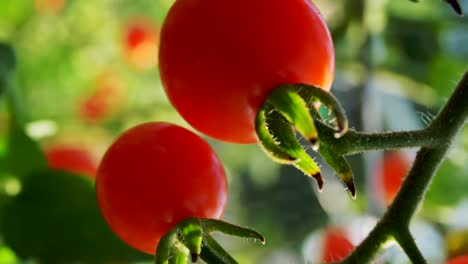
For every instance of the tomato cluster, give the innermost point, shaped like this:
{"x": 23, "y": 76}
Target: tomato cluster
{"x": 218, "y": 62}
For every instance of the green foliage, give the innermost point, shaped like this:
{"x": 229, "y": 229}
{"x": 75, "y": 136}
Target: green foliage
{"x": 56, "y": 219}
{"x": 23, "y": 154}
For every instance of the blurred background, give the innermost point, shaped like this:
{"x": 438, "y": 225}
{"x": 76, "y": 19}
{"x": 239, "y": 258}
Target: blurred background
{"x": 87, "y": 70}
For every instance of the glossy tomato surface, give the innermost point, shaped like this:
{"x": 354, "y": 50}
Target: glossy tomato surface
{"x": 72, "y": 158}
{"x": 336, "y": 245}
{"x": 154, "y": 176}
{"x": 220, "y": 58}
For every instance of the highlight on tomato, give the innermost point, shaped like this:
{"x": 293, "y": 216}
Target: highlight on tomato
{"x": 154, "y": 176}
{"x": 219, "y": 60}
{"x": 106, "y": 97}
{"x": 390, "y": 173}
{"x": 141, "y": 44}
{"x": 49, "y": 7}
{"x": 72, "y": 158}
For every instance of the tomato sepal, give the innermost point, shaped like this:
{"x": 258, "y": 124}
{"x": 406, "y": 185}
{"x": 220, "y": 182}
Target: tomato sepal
{"x": 267, "y": 141}
{"x": 312, "y": 94}
{"x": 192, "y": 237}
{"x": 293, "y": 107}
{"x": 341, "y": 167}
{"x": 213, "y": 252}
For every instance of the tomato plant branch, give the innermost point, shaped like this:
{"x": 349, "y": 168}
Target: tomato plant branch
{"x": 407, "y": 243}
{"x": 355, "y": 142}
{"x": 446, "y": 125}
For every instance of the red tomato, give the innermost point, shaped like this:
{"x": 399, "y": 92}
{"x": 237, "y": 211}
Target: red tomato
{"x": 154, "y": 176}
{"x": 103, "y": 100}
{"x": 336, "y": 246}
{"x": 459, "y": 260}
{"x": 393, "y": 170}
{"x": 49, "y": 6}
{"x": 219, "y": 59}
{"x": 141, "y": 44}
{"x": 72, "y": 158}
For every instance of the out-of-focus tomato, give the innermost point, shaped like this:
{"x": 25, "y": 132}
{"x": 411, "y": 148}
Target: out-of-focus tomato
{"x": 459, "y": 260}
{"x": 49, "y": 7}
{"x": 336, "y": 245}
{"x": 72, "y": 158}
{"x": 103, "y": 100}
{"x": 219, "y": 60}
{"x": 391, "y": 173}
{"x": 141, "y": 44}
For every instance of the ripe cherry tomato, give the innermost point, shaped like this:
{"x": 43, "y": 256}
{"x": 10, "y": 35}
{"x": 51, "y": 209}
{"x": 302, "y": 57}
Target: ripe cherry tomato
{"x": 72, "y": 158}
{"x": 392, "y": 171}
{"x": 336, "y": 245}
{"x": 141, "y": 44}
{"x": 155, "y": 175}
{"x": 219, "y": 59}
{"x": 104, "y": 99}
{"x": 459, "y": 260}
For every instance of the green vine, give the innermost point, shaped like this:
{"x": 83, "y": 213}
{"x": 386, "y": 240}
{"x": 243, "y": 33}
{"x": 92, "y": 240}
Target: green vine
{"x": 435, "y": 140}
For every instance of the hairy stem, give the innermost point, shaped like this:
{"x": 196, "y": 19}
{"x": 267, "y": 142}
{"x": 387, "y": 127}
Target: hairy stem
{"x": 407, "y": 243}
{"x": 355, "y": 142}
{"x": 445, "y": 127}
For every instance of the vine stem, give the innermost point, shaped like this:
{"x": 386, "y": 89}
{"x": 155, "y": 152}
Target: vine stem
{"x": 445, "y": 127}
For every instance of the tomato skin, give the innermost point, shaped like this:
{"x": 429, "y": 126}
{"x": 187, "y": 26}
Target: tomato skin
{"x": 72, "y": 158}
{"x": 336, "y": 246}
{"x": 155, "y": 175}
{"x": 459, "y": 260}
{"x": 219, "y": 59}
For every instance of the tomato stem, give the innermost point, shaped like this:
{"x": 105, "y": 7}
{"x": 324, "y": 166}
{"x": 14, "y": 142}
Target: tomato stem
{"x": 191, "y": 236}
{"x": 445, "y": 126}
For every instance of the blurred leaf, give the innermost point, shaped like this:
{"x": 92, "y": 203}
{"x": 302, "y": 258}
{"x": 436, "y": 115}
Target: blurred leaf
{"x": 445, "y": 72}
{"x": 7, "y": 58}
{"x": 7, "y": 255}
{"x": 449, "y": 186}
{"x": 23, "y": 154}
{"x": 56, "y": 219}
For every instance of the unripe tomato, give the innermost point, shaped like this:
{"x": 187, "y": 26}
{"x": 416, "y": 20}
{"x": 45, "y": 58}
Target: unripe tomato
{"x": 394, "y": 168}
{"x": 336, "y": 245}
{"x": 459, "y": 260}
{"x": 155, "y": 175}
{"x": 219, "y": 59}
{"x": 72, "y": 158}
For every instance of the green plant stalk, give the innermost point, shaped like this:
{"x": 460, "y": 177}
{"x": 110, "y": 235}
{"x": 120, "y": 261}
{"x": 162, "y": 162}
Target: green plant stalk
{"x": 445, "y": 127}
{"x": 355, "y": 142}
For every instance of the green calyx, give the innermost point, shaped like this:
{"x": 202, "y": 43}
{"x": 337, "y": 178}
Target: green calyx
{"x": 191, "y": 237}
{"x": 291, "y": 108}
